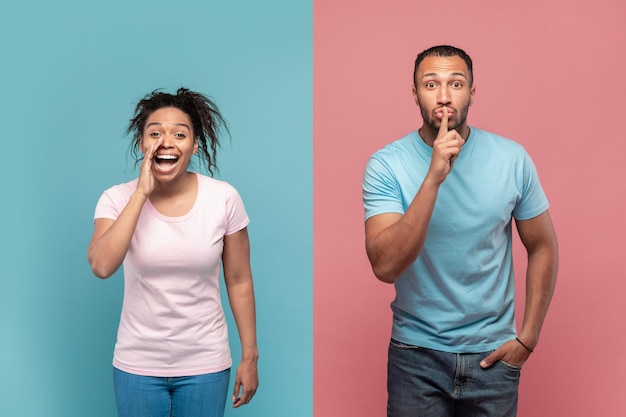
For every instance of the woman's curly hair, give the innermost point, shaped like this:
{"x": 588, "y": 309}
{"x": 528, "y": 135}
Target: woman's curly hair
{"x": 206, "y": 121}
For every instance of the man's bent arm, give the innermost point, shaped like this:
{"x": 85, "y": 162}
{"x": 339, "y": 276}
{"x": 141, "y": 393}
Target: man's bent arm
{"x": 394, "y": 241}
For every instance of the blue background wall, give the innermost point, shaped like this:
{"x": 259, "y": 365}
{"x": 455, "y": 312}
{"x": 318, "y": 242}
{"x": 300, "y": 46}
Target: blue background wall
{"x": 71, "y": 75}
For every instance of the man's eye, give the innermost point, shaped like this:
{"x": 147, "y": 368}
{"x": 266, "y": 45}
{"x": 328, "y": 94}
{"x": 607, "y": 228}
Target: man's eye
{"x": 430, "y": 85}
{"x": 180, "y": 135}
{"x": 155, "y": 134}
{"x": 457, "y": 84}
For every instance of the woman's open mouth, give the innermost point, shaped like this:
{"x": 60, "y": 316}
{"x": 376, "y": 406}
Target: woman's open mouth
{"x": 165, "y": 163}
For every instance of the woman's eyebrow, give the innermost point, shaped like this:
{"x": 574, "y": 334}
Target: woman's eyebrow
{"x": 175, "y": 124}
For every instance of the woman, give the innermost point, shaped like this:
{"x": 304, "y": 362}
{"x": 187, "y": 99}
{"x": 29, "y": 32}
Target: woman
{"x": 171, "y": 228}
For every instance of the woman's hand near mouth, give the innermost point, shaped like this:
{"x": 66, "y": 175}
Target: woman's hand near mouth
{"x": 145, "y": 185}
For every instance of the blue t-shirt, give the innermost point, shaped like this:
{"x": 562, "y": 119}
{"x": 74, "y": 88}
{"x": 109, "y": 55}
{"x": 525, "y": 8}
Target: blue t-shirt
{"x": 458, "y": 296}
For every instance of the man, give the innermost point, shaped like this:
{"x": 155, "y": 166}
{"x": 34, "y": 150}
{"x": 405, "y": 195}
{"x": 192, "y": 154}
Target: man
{"x": 439, "y": 205}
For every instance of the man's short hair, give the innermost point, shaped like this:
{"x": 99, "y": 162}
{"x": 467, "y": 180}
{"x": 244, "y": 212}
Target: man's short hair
{"x": 445, "y": 51}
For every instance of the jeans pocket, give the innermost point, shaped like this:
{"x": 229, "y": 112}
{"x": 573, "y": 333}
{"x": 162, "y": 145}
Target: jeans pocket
{"x": 395, "y": 344}
{"x": 510, "y": 366}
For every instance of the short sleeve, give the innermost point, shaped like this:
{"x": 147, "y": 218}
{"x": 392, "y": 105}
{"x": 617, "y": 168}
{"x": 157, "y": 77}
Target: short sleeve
{"x": 381, "y": 190}
{"x": 106, "y": 207}
{"x": 113, "y": 200}
{"x": 236, "y": 216}
{"x": 532, "y": 200}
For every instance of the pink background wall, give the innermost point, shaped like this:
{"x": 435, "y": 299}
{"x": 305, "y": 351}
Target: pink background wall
{"x": 549, "y": 74}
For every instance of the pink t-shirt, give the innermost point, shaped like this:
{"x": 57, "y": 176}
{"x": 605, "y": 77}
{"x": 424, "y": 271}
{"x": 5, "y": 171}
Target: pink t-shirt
{"x": 172, "y": 322}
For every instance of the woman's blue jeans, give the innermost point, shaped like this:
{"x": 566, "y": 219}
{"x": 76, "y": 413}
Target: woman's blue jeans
{"x": 187, "y": 396}
{"x": 429, "y": 383}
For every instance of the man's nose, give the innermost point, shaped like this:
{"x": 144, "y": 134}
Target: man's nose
{"x": 443, "y": 97}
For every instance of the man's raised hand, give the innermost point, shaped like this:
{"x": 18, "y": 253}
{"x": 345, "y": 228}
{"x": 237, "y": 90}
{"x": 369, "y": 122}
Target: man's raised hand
{"x": 446, "y": 149}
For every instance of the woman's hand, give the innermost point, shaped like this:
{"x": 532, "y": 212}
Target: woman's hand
{"x": 145, "y": 184}
{"x": 246, "y": 382}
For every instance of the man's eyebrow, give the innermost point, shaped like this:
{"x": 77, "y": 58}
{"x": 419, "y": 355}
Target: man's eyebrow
{"x": 454, "y": 74}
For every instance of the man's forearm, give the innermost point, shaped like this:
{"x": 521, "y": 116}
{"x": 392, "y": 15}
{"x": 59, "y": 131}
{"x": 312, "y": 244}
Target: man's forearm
{"x": 540, "y": 283}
